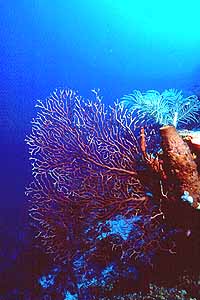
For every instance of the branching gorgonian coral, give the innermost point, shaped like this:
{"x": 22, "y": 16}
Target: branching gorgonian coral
{"x": 167, "y": 108}
{"x": 86, "y": 167}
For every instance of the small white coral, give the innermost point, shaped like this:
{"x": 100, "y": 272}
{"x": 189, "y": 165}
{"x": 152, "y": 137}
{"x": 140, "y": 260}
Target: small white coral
{"x": 187, "y": 198}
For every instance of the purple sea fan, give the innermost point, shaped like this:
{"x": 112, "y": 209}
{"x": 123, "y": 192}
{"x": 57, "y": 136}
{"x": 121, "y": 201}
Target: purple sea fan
{"x": 86, "y": 162}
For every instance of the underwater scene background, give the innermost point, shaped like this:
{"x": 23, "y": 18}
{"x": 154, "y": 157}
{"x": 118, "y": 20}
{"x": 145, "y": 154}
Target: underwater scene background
{"x": 98, "y": 201}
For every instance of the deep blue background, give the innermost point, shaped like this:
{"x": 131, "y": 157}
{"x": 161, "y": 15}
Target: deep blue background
{"x": 79, "y": 44}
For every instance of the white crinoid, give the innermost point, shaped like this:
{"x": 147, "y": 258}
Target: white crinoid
{"x": 167, "y": 108}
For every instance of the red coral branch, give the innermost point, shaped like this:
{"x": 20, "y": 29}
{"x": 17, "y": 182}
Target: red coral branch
{"x": 154, "y": 162}
{"x": 84, "y": 162}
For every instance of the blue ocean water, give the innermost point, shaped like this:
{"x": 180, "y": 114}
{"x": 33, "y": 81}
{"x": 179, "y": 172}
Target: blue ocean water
{"x": 117, "y": 46}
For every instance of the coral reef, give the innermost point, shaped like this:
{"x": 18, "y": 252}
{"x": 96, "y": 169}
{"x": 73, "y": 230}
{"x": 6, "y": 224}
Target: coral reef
{"x": 102, "y": 199}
